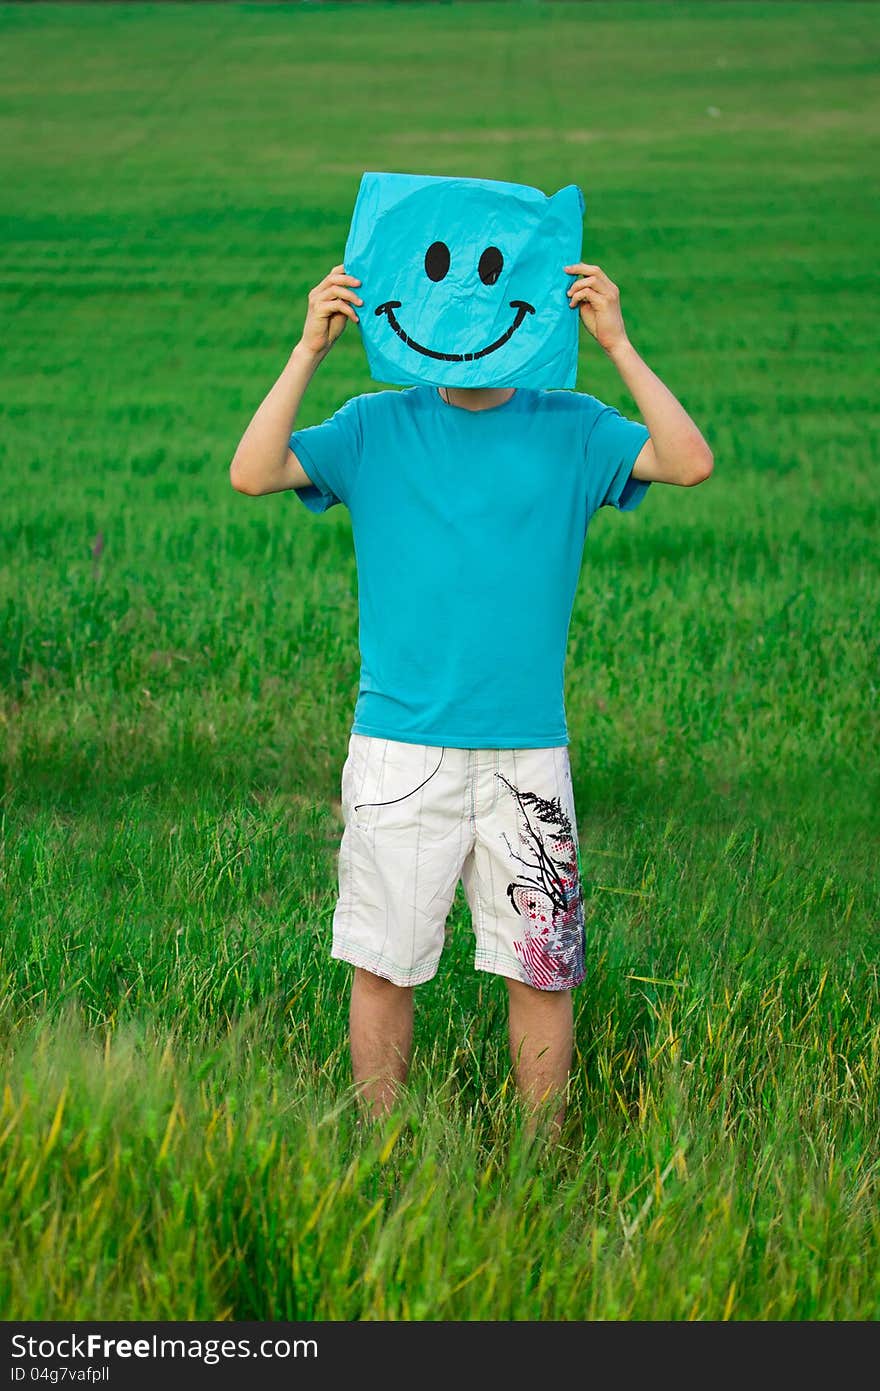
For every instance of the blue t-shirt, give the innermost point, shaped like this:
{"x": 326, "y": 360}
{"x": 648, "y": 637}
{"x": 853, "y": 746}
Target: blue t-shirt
{"x": 468, "y": 529}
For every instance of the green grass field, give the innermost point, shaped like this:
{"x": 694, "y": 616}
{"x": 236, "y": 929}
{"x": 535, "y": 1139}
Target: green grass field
{"x": 177, "y": 1132}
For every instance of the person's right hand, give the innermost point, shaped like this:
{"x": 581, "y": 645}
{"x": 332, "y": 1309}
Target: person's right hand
{"x": 330, "y": 304}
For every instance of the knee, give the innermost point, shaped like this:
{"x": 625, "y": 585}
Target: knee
{"x": 378, "y": 987}
{"x": 521, "y": 993}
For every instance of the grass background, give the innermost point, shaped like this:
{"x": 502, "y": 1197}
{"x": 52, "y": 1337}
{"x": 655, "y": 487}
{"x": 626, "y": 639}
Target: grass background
{"x": 177, "y": 1134}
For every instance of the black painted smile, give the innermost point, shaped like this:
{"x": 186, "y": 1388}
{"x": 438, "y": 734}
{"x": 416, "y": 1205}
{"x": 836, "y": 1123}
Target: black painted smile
{"x": 520, "y": 305}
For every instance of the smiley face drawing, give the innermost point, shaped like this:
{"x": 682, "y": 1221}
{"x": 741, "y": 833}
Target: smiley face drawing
{"x": 463, "y": 281}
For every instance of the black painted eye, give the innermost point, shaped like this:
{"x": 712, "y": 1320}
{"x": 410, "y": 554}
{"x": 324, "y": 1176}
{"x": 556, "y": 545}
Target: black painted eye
{"x": 491, "y": 264}
{"x": 437, "y": 260}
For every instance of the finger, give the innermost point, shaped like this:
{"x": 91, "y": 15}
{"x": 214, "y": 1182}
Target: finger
{"x": 588, "y": 297}
{"x": 338, "y": 288}
{"x": 337, "y": 276}
{"x": 340, "y": 292}
{"x": 579, "y": 284}
{"x": 598, "y": 282}
{"x": 337, "y": 270}
{"x": 581, "y": 268}
{"x": 338, "y": 306}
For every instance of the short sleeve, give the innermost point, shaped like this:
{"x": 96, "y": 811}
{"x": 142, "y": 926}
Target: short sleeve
{"x": 330, "y": 454}
{"x": 612, "y": 447}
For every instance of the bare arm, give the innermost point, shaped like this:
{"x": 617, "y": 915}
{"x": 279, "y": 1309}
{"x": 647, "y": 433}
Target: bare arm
{"x": 676, "y": 451}
{"x": 264, "y": 461}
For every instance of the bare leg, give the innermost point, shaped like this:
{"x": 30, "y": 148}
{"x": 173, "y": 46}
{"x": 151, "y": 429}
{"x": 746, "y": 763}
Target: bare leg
{"x": 381, "y": 1026}
{"x": 541, "y": 1040}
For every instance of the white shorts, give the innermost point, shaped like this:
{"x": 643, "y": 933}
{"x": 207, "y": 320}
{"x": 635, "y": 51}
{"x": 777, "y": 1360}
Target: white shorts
{"x": 417, "y": 819}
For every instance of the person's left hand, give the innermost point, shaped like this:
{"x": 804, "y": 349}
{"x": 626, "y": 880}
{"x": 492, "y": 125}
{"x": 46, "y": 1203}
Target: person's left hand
{"x": 599, "y": 302}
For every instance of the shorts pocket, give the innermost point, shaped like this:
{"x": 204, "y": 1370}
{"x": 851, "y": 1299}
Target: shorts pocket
{"x": 386, "y": 776}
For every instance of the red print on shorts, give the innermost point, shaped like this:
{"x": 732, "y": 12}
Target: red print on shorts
{"x": 551, "y": 950}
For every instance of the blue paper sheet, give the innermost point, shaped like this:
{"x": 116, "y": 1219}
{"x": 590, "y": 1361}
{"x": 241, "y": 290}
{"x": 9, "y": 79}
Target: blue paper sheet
{"x": 463, "y": 281}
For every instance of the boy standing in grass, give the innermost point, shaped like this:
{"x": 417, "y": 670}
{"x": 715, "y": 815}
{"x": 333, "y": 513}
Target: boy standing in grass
{"x": 469, "y": 511}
